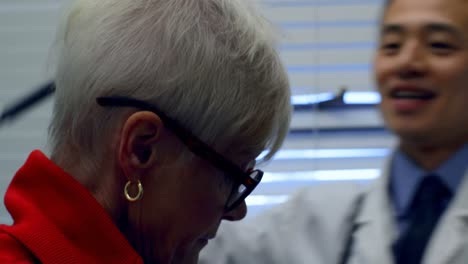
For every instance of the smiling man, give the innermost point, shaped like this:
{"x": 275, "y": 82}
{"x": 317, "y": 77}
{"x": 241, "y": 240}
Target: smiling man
{"x": 422, "y": 71}
{"x": 417, "y": 211}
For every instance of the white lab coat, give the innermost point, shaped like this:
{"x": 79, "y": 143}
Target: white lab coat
{"x": 312, "y": 227}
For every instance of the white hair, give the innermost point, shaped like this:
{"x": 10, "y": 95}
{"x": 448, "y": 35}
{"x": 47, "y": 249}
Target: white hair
{"x": 210, "y": 64}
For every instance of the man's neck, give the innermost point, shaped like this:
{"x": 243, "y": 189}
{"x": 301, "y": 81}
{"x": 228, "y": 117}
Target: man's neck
{"x": 428, "y": 156}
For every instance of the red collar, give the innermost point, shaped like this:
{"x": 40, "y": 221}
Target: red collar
{"x": 59, "y": 221}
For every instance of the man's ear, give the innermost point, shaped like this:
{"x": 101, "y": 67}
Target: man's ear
{"x": 138, "y": 143}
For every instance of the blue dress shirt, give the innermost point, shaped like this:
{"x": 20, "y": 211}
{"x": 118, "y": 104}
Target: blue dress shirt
{"x": 405, "y": 177}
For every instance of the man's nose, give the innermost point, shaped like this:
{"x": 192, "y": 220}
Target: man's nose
{"x": 412, "y": 61}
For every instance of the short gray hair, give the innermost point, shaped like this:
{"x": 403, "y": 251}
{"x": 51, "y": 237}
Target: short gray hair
{"x": 210, "y": 64}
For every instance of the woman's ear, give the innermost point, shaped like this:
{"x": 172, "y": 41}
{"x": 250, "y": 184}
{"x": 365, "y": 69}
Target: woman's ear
{"x": 138, "y": 143}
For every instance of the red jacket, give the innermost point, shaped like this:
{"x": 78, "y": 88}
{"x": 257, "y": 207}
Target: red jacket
{"x": 57, "y": 221}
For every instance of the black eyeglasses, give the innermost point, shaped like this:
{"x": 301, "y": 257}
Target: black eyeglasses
{"x": 245, "y": 182}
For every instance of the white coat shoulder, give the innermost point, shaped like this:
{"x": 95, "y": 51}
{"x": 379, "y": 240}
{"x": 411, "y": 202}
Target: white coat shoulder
{"x": 309, "y": 228}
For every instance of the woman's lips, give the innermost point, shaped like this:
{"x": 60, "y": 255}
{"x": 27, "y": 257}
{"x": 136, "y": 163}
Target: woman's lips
{"x": 202, "y": 242}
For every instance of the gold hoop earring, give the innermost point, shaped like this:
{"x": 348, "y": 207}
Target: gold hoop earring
{"x": 139, "y": 194}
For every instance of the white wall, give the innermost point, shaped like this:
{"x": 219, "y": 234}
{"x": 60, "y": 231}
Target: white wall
{"x": 327, "y": 45}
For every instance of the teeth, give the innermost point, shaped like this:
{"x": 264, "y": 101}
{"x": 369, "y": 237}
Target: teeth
{"x": 407, "y": 93}
{"x": 412, "y": 95}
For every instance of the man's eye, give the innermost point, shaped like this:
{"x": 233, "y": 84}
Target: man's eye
{"x": 441, "y": 48}
{"x": 390, "y": 48}
{"x": 441, "y": 45}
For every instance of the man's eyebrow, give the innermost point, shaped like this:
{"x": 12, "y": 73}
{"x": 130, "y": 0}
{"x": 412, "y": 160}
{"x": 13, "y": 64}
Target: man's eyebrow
{"x": 391, "y": 28}
{"x": 443, "y": 28}
{"x": 429, "y": 28}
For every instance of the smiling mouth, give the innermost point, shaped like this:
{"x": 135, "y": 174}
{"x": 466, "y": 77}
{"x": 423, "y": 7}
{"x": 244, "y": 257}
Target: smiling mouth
{"x": 412, "y": 95}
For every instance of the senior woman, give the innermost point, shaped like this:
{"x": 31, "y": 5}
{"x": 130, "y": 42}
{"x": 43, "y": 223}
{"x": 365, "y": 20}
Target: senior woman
{"x": 161, "y": 108}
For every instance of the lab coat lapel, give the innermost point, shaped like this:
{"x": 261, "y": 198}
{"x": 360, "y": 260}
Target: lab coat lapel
{"x": 449, "y": 243}
{"x": 376, "y": 229}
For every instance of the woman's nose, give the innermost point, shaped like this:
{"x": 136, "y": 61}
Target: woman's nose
{"x": 237, "y": 213}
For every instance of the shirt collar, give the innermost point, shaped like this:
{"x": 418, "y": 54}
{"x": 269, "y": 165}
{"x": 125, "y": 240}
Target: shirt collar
{"x": 59, "y": 220}
{"x": 406, "y": 176}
